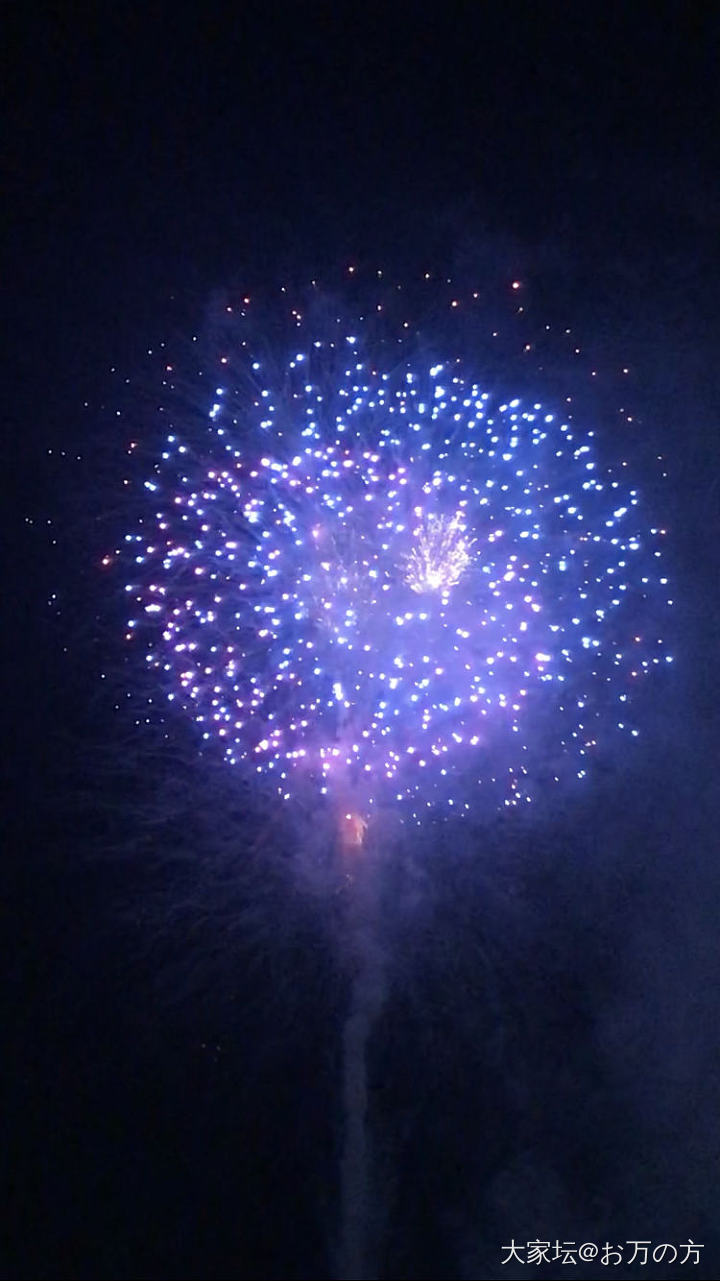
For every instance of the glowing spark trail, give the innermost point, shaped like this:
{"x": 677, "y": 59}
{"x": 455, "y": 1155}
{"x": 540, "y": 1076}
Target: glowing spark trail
{"x": 379, "y": 572}
{"x": 440, "y": 556}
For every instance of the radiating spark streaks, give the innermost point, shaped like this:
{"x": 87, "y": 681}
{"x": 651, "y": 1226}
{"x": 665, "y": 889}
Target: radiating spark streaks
{"x": 377, "y": 571}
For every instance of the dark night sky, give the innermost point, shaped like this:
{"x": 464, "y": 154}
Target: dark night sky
{"x": 566, "y": 1043}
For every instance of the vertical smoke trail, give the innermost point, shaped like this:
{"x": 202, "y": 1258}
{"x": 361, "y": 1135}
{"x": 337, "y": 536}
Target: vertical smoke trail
{"x": 367, "y": 996}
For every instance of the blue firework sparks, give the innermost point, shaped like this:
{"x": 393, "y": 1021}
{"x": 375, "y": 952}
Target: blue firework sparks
{"x": 376, "y": 573}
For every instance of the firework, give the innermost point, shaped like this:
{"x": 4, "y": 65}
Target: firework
{"x": 365, "y": 570}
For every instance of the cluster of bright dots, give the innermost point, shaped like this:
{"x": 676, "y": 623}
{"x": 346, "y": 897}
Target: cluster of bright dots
{"x": 394, "y": 581}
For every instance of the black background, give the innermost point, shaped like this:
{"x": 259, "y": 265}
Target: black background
{"x": 547, "y": 1061}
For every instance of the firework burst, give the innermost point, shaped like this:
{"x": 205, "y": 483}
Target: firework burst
{"x": 365, "y": 569}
